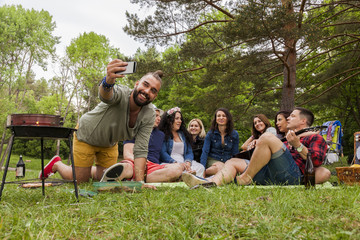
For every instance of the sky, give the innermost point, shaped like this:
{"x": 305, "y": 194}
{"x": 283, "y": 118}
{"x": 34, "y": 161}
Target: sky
{"x": 74, "y": 17}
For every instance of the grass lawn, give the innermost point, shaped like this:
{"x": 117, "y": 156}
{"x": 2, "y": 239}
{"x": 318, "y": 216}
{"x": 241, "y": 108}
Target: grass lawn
{"x": 228, "y": 212}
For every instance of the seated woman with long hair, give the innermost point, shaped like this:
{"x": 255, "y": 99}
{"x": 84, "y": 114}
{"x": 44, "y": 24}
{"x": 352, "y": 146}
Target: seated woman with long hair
{"x": 197, "y": 131}
{"x": 221, "y": 142}
{"x": 281, "y": 123}
{"x": 260, "y": 125}
{"x": 176, "y": 147}
{"x": 321, "y": 174}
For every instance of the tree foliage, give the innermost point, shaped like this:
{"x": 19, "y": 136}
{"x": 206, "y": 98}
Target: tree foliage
{"x": 26, "y": 40}
{"x": 254, "y": 56}
{"x": 251, "y": 40}
{"x": 89, "y": 55}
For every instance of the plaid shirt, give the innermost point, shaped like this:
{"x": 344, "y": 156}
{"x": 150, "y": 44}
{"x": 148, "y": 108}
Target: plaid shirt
{"x": 317, "y": 147}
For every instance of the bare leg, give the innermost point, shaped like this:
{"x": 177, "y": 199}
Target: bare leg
{"x": 170, "y": 173}
{"x": 93, "y": 172}
{"x": 267, "y": 144}
{"x": 213, "y": 169}
{"x": 229, "y": 171}
{"x": 97, "y": 172}
{"x": 322, "y": 175}
{"x": 126, "y": 173}
{"x": 83, "y": 174}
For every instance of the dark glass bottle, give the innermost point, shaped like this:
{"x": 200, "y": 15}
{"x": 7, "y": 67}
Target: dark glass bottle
{"x": 309, "y": 173}
{"x": 20, "y": 168}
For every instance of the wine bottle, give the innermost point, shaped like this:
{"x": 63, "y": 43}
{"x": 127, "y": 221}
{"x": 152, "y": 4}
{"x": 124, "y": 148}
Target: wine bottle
{"x": 309, "y": 173}
{"x": 20, "y": 168}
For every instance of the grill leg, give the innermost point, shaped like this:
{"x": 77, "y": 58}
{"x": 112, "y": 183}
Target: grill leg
{"x": 42, "y": 166}
{"x": 73, "y": 168}
{"x": 11, "y": 141}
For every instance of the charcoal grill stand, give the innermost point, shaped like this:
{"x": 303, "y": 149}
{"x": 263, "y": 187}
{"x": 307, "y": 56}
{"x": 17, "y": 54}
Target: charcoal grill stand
{"x": 41, "y": 132}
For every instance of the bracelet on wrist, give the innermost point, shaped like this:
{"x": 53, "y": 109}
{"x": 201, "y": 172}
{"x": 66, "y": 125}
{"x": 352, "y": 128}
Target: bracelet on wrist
{"x": 300, "y": 148}
{"x": 106, "y": 86}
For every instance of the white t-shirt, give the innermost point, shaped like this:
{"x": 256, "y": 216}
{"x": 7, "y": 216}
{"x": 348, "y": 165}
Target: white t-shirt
{"x": 271, "y": 130}
{"x": 177, "y": 152}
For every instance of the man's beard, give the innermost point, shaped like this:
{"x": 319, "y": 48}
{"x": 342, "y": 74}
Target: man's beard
{"x": 137, "y": 102}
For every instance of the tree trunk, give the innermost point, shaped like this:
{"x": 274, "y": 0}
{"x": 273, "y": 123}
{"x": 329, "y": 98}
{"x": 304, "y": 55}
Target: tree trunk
{"x": 27, "y": 78}
{"x": 5, "y": 154}
{"x": 58, "y": 147}
{"x": 288, "y": 91}
{"x": 289, "y": 61}
{"x": 2, "y": 142}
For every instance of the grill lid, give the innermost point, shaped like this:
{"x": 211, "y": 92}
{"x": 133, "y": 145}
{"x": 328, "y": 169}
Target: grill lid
{"x": 35, "y": 120}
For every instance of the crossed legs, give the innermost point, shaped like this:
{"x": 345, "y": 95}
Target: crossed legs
{"x": 265, "y": 147}
{"x": 213, "y": 169}
{"x": 231, "y": 168}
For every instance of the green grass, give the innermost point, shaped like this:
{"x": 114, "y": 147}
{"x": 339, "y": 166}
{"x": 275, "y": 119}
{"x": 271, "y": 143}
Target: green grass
{"x": 228, "y": 212}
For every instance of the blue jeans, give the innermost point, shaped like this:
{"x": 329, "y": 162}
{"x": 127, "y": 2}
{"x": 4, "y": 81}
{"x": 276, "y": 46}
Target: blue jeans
{"x": 281, "y": 170}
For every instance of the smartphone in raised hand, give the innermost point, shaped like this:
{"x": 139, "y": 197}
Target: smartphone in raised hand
{"x": 130, "y": 68}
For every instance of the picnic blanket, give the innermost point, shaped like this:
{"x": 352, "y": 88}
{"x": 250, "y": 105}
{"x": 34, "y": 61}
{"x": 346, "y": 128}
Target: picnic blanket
{"x": 326, "y": 185}
{"x": 131, "y": 186}
{"x": 122, "y": 186}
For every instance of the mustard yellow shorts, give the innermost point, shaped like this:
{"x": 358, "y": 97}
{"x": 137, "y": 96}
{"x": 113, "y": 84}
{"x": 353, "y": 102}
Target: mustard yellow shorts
{"x": 85, "y": 154}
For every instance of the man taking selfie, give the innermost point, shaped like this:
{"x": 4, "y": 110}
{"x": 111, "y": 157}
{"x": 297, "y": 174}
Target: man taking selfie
{"x": 122, "y": 114}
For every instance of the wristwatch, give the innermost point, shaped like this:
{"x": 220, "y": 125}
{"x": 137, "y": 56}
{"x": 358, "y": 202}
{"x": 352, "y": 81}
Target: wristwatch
{"x": 300, "y": 148}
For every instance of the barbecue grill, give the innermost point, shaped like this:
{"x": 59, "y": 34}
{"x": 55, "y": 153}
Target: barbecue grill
{"x": 38, "y": 126}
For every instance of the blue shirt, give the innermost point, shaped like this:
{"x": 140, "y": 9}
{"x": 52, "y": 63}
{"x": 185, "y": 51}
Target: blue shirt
{"x": 213, "y": 147}
{"x": 155, "y": 144}
{"x": 167, "y": 147}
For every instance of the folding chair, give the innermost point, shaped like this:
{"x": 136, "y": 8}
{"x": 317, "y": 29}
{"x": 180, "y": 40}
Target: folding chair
{"x": 356, "y": 159}
{"x": 333, "y": 135}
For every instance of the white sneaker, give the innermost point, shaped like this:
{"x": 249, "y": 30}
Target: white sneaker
{"x": 113, "y": 173}
{"x": 192, "y": 180}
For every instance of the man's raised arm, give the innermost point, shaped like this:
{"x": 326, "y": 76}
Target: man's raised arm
{"x": 108, "y": 82}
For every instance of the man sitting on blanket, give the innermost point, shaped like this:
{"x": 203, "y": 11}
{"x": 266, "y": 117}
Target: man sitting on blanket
{"x": 273, "y": 162}
{"x": 155, "y": 171}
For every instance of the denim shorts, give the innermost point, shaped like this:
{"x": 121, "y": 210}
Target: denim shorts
{"x": 281, "y": 170}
